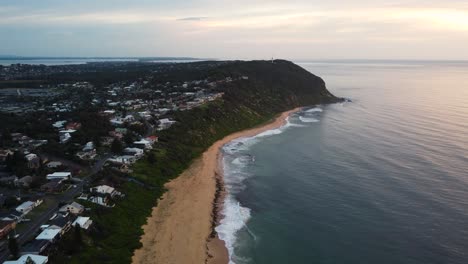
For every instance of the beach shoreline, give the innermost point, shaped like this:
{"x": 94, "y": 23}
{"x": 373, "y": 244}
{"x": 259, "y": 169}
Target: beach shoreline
{"x": 181, "y": 226}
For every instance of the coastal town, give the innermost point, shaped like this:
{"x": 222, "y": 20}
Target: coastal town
{"x": 69, "y": 143}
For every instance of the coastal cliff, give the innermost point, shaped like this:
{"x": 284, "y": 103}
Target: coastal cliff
{"x": 256, "y": 92}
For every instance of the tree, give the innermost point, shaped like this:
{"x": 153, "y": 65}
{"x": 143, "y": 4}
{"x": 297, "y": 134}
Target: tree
{"x": 77, "y": 236}
{"x": 151, "y": 158}
{"x": 128, "y": 138}
{"x": 6, "y": 138}
{"x": 116, "y": 146}
{"x": 13, "y": 246}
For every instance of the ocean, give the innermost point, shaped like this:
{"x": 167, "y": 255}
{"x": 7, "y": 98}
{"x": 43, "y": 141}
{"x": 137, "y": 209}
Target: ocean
{"x": 380, "y": 179}
{"x": 53, "y": 61}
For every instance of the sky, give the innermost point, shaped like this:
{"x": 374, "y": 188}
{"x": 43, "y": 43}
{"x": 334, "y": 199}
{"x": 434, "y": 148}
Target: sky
{"x": 241, "y": 29}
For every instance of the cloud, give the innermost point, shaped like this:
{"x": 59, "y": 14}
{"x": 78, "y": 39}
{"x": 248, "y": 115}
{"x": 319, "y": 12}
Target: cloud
{"x": 192, "y": 18}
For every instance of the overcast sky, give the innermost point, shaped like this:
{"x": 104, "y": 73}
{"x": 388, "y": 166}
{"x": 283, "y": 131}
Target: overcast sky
{"x": 244, "y": 29}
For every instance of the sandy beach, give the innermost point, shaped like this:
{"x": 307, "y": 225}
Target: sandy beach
{"x": 180, "y": 227}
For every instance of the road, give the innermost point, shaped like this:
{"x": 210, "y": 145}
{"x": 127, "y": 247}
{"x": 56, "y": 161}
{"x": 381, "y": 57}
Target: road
{"x": 68, "y": 195}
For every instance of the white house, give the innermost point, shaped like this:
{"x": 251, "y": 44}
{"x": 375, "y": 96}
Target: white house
{"x": 59, "y": 175}
{"x": 126, "y": 159}
{"x": 88, "y": 146}
{"x": 29, "y": 258}
{"x": 83, "y": 222}
{"x": 165, "y": 123}
{"x": 49, "y": 234}
{"x": 74, "y": 208}
{"x": 59, "y": 124}
{"x": 105, "y": 189}
{"x": 143, "y": 143}
{"x": 54, "y": 164}
{"x": 65, "y": 137}
{"x": 25, "y": 207}
{"x": 137, "y": 152}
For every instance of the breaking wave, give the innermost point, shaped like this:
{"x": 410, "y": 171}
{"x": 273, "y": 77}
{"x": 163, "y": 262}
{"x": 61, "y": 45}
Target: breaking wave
{"x": 314, "y": 110}
{"x": 308, "y": 119}
{"x": 236, "y": 159}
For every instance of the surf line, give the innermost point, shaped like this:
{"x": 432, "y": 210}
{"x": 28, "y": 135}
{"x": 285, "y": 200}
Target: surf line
{"x": 244, "y": 222}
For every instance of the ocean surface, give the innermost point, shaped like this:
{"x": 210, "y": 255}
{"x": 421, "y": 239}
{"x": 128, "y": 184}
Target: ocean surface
{"x": 381, "y": 179}
{"x": 75, "y": 60}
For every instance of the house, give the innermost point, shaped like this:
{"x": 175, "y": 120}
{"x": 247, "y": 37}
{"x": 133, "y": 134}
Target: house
{"x": 165, "y": 123}
{"x": 89, "y": 155}
{"x": 59, "y": 175}
{"x": 64, "y": 137}
{"x": 49, "y": 234}
{"x": 35, "y": 247}
{"x": 74, "y": 208}
{"x": 6, "y": 226}
{"x": 4, "y": 153}
{"x": 108, "y": 112}
{"x": 89, "y": 147}
{"x": 27, "y": 206}
{"x": 73, "y": 126}
{"x": 24, "y": 181}
{"x": 54, "y": 164}
{"x": 29, "y": 258}
{"x": 117, "y": 121}
{"x": 105, "y": 189}
{"x": 126, "y": 159}
{"x": 104, "y": 201}
{"x": 143, "y": 143}
{"x": 33, "y": 161}
{"x": 83, "y": 222}
{"x": 129, "y": 118}
{"x": 59, "y": 124}
{"x": 152, "y": 139}
{"x": 136, "y": 152}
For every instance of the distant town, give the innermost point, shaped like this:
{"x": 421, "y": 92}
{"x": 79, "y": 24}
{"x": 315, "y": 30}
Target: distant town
{"x": 70, "y": 136}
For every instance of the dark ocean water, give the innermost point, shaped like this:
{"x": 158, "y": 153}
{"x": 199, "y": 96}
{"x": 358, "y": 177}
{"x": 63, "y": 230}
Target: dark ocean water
{"x": 381, "y": 179}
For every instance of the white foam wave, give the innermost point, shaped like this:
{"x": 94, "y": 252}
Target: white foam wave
{"x": 314, "y": 110}
{"x": 235, "y": 161}
{"x": 235, "y": 218}
{"x": 308, "y": 119}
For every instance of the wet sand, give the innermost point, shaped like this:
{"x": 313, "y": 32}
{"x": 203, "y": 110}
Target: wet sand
{"x": 180, "y": 228}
